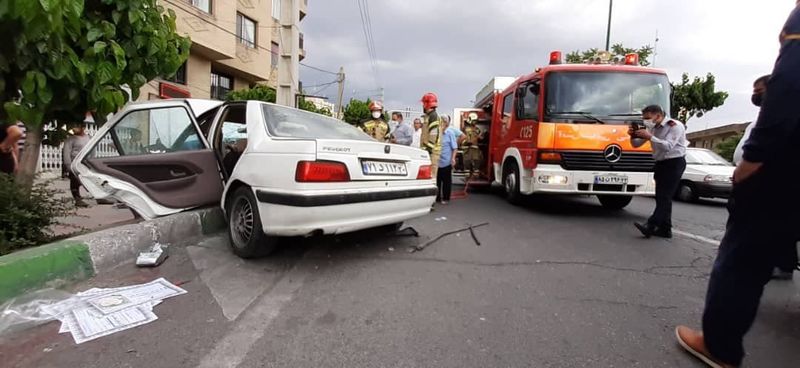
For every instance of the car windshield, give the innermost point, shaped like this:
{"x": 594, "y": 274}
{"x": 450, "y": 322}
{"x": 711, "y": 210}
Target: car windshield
{"x": 608, "y": 94}
{"x": 703, "y": 157}
{"x": 292, "y": 123}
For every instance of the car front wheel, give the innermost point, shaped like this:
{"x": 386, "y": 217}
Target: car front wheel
{"x": 246, "y": 235}
{"x": 687, "y": 193}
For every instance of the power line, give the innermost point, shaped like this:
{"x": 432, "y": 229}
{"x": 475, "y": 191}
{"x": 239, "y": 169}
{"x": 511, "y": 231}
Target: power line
{"x": 322, "y": 85}
{"x": 366, "y": 27}
{"x": 318, "y": 69}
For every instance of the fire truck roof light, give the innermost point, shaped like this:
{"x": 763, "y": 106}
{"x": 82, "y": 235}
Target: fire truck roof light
{"x": 555, "y": 57}
{"x": 632, "y": 59}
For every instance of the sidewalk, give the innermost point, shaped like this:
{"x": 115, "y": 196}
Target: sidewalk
{"x": 93, "y": 218}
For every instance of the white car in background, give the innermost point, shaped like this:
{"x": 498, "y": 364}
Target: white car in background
{"x": 707, "y": 175}
{"x": 275, "y": 171}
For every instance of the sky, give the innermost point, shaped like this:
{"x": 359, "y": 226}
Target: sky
{"x": 454, "y": 47}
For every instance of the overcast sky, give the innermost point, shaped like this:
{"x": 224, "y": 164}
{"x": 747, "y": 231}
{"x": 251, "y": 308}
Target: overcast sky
{"x": 453, "y": 47}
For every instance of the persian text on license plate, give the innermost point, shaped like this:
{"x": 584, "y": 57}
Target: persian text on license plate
{"x": 384, "y": 168}
{"x": 611, "y": 179}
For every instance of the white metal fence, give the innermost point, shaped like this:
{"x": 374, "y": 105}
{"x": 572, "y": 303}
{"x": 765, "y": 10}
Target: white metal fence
{"x": 50, "y": 158}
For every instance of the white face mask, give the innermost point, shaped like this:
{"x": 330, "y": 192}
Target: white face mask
{"x": 376, "y": 114}
{"x": 649, "y": 124}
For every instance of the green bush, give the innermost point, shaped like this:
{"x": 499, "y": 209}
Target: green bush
{"x": 26, "y": 217}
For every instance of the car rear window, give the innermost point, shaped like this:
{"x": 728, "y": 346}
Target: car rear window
{"x": 291, "y": 123}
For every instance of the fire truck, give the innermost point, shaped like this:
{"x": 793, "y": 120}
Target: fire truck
{"x": 563, "y": 129}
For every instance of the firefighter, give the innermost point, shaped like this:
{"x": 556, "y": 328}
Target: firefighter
{"x": 431, "y": 130}
{"x": 473, "y": 157}
{"x": 376, "y": 127}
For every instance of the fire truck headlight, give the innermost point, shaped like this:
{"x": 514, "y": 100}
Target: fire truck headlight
{"x": 552, "y": 179}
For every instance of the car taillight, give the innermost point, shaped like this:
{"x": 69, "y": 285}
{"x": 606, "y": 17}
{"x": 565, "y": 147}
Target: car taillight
{"x": 321, "y": 171}
{"x": 549, "y": 158}
{"x": 424, "y": 172}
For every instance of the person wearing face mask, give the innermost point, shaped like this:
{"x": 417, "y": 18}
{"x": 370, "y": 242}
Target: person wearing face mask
{"x": 376, "y": 127}
{"x": 764, "y": 213}
{"x": 668, "y": 139}
{"x": 759, "y": 88}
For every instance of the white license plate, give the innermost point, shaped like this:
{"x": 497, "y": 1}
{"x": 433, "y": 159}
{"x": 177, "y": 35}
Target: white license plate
{"x": 384, "y": 168}
{"x": 611, "y": 179}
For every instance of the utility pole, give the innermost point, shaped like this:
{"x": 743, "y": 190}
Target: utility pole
{"x": 608, "y": 30}
{"x": 655, "y": 50}
{"x": 340, "y": 111}
{"x": 383, "y": 100}
{"x": 289, "y": 58}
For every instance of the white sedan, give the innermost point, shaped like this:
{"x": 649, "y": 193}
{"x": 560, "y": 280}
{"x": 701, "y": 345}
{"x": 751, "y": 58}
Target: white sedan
{"x": 275, "y": 171}
{"x": 707, "y": 175}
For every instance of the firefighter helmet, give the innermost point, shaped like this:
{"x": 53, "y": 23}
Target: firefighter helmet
{"x": 473, "y": 116}
{"x": 375, "y": 106}
{"x": 429, "y": 101}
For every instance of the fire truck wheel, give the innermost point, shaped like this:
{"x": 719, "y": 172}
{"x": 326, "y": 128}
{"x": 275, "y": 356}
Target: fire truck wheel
{"x": 614, "y": 202}
{"x": 511, "y": 183}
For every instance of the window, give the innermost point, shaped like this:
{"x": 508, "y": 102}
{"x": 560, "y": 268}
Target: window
{"x": 276, "y": 9}
{"x": 291, "y": 123}
{"x": 221, "y": 84}
{"x": 204, "y": 5}
{"x": 275, "y": 51}
{"x": 530, "y": 102}
{"x": 508, "y": 105}
{"x": 179, "y": 76}
{"x": 245, "y": 30}
{"x": 147, "y": 132}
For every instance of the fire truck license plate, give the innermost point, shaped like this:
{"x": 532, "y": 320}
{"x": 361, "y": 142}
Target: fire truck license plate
{"x": 611, "y": 179}
{"x": 384, "y": 168}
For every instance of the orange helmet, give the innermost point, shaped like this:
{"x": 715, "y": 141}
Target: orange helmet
{"x": 429, "y": 101}
{"x": 375, "y": 105}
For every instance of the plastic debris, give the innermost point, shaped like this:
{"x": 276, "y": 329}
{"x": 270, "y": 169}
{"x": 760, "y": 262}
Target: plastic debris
{"x": 154, "y": 257}
{"x": 440, "y": 219}
{"x": 391, "y": 249}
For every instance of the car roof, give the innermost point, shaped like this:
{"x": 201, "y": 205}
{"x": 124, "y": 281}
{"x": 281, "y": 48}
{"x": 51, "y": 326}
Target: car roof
{"x": 199, "y": 106}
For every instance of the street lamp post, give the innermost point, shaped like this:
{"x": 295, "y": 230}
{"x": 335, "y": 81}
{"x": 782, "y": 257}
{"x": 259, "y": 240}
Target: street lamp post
{"x": 608, "y": 31}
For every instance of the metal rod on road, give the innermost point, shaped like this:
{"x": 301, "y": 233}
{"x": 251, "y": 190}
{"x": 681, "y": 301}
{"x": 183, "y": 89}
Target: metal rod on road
{"x": 470, "y": 228}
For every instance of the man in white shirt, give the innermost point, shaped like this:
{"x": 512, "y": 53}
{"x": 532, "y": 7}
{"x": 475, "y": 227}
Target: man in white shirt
{"x": 416, "y": 141}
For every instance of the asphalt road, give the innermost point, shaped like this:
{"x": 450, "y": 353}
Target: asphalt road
{"x": 559, "y": 282}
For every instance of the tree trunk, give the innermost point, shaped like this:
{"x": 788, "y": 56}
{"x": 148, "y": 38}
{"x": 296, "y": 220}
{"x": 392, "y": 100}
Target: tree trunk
{"x": 30, "y": 157}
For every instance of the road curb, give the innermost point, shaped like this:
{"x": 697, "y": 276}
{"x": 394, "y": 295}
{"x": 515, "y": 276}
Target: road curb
{"x": 81, "y": 257}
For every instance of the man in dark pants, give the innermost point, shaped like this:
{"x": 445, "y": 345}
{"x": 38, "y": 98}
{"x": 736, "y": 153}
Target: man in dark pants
{"x": 763, "y": 215}
{"x": 668, "y": 139}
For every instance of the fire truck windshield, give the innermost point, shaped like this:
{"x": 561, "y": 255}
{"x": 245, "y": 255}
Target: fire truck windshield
{"x": 612, "y": 95}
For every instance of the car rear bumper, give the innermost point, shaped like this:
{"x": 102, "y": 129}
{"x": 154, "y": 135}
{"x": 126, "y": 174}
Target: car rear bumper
{"x": 293, "y": 214}
{"x": 555, "y": 179}
{"x": 713, "y": 190}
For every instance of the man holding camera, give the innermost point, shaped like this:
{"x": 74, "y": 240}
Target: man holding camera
{"x": 668, "y": 139}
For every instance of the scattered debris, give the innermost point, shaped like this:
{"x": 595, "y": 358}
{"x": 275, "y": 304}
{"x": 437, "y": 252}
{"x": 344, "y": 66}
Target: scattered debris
{"x": 470, "y": 228}
{"x": 440, "y": 219}
{"x": 474, "y": 237}
{"x": 47, "y": 350}
{"x": 483, "y": 319}
{"x": 391, "y": 249}
{"x": 154, "y": 257}
{"x": 408, "y": 231}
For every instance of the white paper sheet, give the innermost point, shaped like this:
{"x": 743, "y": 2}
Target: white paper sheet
{"x": 87, "y": 324}
{"x": 155, "y": 290}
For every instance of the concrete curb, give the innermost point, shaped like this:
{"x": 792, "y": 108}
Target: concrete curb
{"x": 81, "y": 257}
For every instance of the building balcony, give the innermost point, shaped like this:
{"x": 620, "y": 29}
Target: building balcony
{"x": 303, "y": 9}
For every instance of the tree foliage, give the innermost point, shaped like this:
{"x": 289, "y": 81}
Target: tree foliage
{"x": 357, "y": 111}
{"x": 62, "y": 58}
{"x": 265, "y": 93}
{"x": 727, "y": 147}
{"x": 694, "y": 98}
{"x": 578, "y": 57}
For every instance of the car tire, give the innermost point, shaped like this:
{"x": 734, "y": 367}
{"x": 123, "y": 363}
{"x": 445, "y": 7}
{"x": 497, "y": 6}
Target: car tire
{"x": 511, "y": 183}
{"x": 247, "y": 238}
{"x": 614, "y": 202}
{"x": 687, "y": 193}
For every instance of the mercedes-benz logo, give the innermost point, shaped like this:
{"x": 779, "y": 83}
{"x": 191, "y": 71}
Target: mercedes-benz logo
{"x": 387, "y": 149}
{"x": 613, "y": 153}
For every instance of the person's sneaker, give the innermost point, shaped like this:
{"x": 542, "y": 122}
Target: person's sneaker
{"x": 443, "y": 202}
{"x": 80, "y": 203}
{"x": 694, "y": 343}
{"x": 779, "y": 274}
{"x": 646, "y": 229}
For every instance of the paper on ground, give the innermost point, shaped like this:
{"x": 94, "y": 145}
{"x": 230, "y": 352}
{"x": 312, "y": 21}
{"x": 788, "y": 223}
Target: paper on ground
{"x": 87, "y": 324}
{"x": 118, "y": 300}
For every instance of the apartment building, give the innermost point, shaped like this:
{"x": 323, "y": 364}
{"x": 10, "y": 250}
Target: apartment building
{"x": 711, "y": 138}
{"x": 235, "y": 45}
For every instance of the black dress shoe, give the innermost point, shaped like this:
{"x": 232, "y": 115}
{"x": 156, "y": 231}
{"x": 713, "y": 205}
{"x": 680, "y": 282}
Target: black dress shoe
{"x": 646, "y": 229}
{"x": 663, "y": 233}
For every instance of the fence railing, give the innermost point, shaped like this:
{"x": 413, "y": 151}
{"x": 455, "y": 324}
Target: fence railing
{"x": 51, "y": 159}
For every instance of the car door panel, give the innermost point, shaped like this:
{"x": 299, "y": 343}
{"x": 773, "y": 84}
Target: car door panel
{"x": 177, "y": 179}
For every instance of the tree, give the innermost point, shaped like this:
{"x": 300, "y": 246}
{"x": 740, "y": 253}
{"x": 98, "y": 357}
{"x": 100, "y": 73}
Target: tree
{"x": 695, "y": 98}
{"x": 727, "y": 147}
{"x": 578, "y": 57}
{"x": 357, "y": 111}
{"x": 265, "y": 93}
{"x": 64, "y": 58}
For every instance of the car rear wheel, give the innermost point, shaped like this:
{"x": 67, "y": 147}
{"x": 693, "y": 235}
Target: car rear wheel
{"x": 614, "y": 202}
{"x": 687, "y": 193}
{"x": 511, "y": 183}
{"x": 246, "y": 235}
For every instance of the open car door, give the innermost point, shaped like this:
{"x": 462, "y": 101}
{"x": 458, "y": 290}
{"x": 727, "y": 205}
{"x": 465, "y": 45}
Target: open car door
{"x": 152, "y": 157}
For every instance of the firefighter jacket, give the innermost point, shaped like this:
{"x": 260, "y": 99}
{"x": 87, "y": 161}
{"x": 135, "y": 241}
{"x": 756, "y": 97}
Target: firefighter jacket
{"x": 473, "y": 134}
{"x": 377, "y": 129}
{"x": 431, "y": 132}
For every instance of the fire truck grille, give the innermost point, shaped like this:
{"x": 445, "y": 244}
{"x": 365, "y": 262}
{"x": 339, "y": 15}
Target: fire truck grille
{"x": 594, "y": 160}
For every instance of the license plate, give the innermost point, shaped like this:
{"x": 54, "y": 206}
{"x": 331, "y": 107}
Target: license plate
{"x": 611, "y": 179}
{"x": 384, "y": 168}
